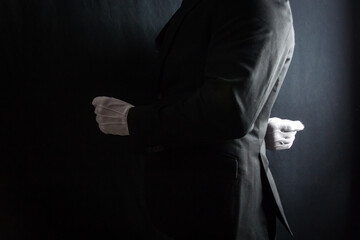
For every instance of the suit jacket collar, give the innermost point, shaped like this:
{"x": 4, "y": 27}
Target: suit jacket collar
{"x": 173, "y": 25}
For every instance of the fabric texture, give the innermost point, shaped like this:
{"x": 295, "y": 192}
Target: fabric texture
{"x": 222, "y": 66}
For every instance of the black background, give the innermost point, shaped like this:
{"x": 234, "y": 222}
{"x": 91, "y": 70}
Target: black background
{"x": 61, "y": 178}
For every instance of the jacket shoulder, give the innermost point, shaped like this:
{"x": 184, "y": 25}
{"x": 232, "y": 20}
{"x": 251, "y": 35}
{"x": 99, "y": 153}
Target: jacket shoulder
{"x": 275, "y": 13}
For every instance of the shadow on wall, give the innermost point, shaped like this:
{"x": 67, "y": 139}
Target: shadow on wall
{"x": 59, "y": 173}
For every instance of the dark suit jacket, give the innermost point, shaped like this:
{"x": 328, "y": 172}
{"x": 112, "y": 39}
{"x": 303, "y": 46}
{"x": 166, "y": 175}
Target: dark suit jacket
{"x": 222, "y": 63}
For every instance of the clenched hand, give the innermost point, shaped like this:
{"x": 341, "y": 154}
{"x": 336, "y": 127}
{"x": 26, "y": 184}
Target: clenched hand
{"x": 111, "y": 115}
{"x": 280, "y": 134}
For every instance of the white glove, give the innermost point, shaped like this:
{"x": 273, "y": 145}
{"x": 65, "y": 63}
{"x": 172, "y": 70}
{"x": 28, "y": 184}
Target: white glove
{"x": 280, "y": 134}
{"x": 111, "y": 115}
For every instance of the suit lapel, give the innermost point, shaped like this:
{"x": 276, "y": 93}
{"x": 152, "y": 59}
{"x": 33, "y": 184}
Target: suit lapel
{"x": 160, "y": 37}
{"x": 167, "y": 34}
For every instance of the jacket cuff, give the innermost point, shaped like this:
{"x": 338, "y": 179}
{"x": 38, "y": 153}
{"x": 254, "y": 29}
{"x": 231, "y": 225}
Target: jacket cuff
{"x": 146, "y": 134}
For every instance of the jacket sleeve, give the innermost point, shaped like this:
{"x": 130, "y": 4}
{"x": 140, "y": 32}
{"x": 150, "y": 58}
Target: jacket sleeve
{"x": 245, "y": 54}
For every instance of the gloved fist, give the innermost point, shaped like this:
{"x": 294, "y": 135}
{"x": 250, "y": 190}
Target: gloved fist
{"x": 111, "y": 115}
{"x": 280, "y": 134}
